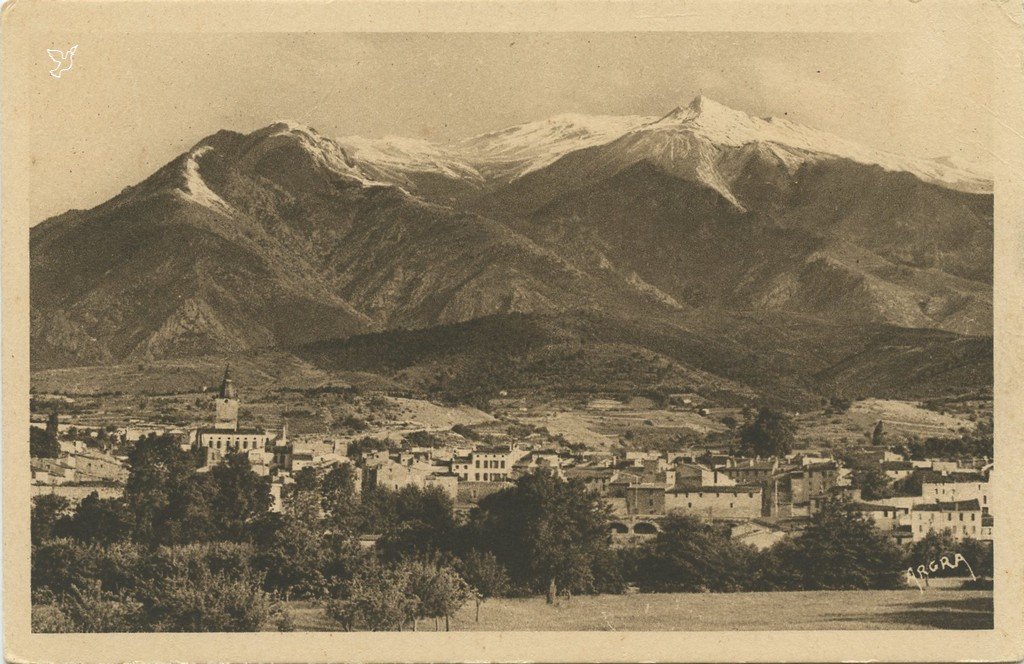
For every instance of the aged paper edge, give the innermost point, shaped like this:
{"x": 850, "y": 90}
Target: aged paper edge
{"x": 25, "y": 21}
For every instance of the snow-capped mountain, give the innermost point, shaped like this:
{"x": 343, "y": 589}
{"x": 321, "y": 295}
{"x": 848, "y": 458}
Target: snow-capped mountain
{"x": 513, "y": 152}
{"x": 695, "y": 141}
{"x": 796, "y": 144}
{"x": 284, "y": 236}
{"x": 395, "y": 159}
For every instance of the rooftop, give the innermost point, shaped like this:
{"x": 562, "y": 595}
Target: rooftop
{"x": 715, "y": 489}
{"x": 874, "y": 507}
{"x": 955, "y": 506}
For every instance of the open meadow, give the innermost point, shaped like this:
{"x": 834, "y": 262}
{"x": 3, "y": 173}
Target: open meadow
{"x": 811, "y": 610}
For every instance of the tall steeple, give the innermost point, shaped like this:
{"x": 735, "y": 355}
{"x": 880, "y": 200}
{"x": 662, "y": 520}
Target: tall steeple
{"x": 227, "y": 404}
{"x": 227, "y": 388}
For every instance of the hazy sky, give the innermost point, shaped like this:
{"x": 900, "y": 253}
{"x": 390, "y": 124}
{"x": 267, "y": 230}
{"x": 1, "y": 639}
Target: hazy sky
{"x": 129, "y": 106}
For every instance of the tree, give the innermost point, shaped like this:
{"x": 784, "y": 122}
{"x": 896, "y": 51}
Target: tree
{"x": 872, "y": 482}
{"x": 547, "y": 532}
{"x": 48, "y": 511}
{"x": 771, "y": 433}
{"x": 439, "y": 590}
{"x": 689, "y": 555}
{"x": 158, "y": 488}
{"x": 292, "y": 550}
{"x": 377, "y": 599}
{"x": 101, "y": 520}
{"x": 878, "y": 434}
{"x": 911, "y": 484}
{"x": 935, "y": 546}
{"x": 238, "y": 496}
{"x": 839, "y": 550}
{"x": 42, "y": 444}
{"x": 422, "y": 524}
{"x": 203, "y": 588}
{"x": 486, "y": 575}
{"x": 339, "y": 500}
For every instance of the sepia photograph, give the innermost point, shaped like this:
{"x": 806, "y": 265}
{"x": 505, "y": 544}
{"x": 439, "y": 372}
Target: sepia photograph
{"x": 522, "y": 331}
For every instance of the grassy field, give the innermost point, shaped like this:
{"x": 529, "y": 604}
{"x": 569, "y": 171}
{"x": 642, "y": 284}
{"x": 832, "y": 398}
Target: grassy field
{"x": 821, "y": 610}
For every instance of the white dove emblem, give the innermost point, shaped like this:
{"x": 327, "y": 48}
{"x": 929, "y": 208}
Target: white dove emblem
{"x": 63, "y": 60}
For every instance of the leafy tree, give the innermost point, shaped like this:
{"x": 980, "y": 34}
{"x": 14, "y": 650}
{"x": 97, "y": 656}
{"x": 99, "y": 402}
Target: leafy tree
{"x": 873, "y": 483}
{"x": 839, "y": 550}
{"x": 439, "y": 590}
{"x": 910, "y": 485}
{"x": 238, "y": 496}
{"x": 203, "y": 588}
{"x": 935, "y": 546}
{"x": 101, "y": 520}
{"x": 547, "y": 532}
{"x": 691, "y": 556}
{"x": 292, "y": 549}
{"x": 158, "y": 488}
{"x": 422, "y": 523}
{"x": 486, "y": 575}
{"x": 58, "y": 564}
{"x": 377, "y": 599}
{"x": 42, "y": 444}
{"x": 771, "y": 433}
{"x": 339, "y": 499}
{"x": 48, "y": 511}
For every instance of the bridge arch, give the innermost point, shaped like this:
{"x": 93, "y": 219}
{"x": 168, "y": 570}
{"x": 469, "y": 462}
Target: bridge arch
{"x": 645, "y": 528}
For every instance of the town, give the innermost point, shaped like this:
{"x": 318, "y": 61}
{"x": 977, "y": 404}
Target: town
{"x": 751, "y": 489}
{"x": 762, "y": 499}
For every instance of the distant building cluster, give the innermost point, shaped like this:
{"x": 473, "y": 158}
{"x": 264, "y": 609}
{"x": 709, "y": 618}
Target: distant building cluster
{"x": 761, "y": 499}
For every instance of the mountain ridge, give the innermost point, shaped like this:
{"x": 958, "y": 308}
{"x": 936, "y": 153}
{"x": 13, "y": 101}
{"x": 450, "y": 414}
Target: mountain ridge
{"x": 282, "y": 238}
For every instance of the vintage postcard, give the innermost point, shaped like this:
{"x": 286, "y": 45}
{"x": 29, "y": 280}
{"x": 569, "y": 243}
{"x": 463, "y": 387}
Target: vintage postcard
{"x": 512, "y": 331}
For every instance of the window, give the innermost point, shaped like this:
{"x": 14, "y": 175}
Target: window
{"x": 961, "y": 516}
{"x": 478, "y": 465}
{"x": 972, "y": 516}
{"x": 730, "y": 505}
{"x": 477, "y": 477}
{"x": 502, "y": 463}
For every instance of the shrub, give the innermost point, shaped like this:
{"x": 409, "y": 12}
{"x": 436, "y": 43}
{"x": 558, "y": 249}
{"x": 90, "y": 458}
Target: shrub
{"x": 91, "y": 609}
{"x": 377, "y": 600}
{"x": 48, "y": 618}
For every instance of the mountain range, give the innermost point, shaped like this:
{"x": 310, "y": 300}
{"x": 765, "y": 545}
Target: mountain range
{"x": 705, "y": 223}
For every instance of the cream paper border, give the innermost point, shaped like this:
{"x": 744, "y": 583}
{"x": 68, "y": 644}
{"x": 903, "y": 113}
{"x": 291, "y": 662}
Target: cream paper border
{"x": 23, "y": 21}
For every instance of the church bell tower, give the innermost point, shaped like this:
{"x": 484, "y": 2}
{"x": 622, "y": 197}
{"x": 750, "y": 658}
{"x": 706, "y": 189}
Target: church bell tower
{"x": 227, "y": 404}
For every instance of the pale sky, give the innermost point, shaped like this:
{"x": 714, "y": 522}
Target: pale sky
{"x": 129, "y": 106}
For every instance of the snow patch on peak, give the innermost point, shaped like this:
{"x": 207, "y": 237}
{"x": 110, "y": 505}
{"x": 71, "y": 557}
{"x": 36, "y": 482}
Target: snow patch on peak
{"x": 195, "y": 188}
{"x": 795, "y": 144}
{"x": 289, "y": 126}
{"x": 396, "y": 156}
{"x": 521, "y": 149}
{"x": 323, "y": 151}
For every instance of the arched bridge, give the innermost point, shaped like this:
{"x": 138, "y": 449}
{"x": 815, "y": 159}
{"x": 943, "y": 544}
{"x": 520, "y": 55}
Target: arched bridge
{"x": 634, "y": 527}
